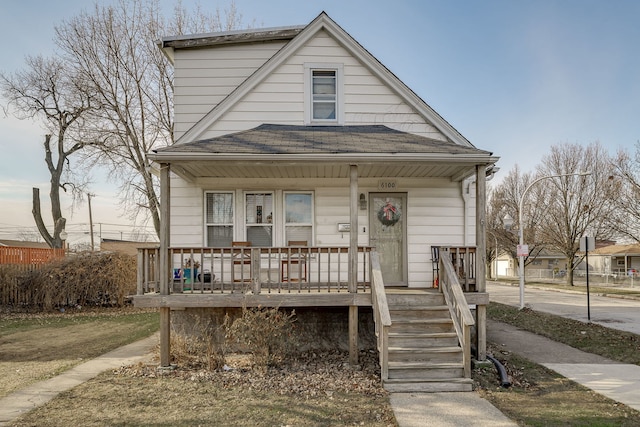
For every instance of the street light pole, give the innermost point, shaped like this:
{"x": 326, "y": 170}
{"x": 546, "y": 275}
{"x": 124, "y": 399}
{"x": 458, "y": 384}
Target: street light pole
{"x": 521, "y": 226}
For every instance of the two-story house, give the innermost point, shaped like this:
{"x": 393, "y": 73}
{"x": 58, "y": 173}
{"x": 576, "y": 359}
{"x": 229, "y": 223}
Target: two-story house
{"x": 306, "y": 174}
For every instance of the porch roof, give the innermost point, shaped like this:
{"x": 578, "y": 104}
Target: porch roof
{"x": 278, "y": 146}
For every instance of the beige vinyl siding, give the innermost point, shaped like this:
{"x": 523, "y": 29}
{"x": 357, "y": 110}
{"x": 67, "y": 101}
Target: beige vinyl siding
{"x": 280, "y": 97}
{"x": 204, "y": 77}
{"x": 435, "y": 210}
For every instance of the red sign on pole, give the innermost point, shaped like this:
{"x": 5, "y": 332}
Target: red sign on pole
{"x": 523, "y": 250}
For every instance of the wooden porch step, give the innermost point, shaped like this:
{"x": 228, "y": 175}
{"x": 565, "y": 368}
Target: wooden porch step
{"x": 422, "y": 325}
{"x": 426, "y": 354}
{"x": 414, "y": 299}
{"x": 425, "y": 370}
{"x": 428, "y": 386}
{"x": 414, "y": 340}
{"x": 419, "y": 312}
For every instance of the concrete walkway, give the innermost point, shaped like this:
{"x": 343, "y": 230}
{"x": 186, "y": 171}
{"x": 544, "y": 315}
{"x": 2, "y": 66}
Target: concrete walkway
{"x": 22, "y": 401}
{"x": 617, "y": 381}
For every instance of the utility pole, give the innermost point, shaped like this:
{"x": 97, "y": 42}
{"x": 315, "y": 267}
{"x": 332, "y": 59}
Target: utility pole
{"x": 90, "y": 221}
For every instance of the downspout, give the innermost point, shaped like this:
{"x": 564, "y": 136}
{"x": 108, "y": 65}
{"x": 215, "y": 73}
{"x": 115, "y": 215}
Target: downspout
{"x": 465, "y": 191}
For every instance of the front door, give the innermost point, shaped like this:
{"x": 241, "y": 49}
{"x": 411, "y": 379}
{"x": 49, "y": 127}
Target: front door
{"x": 387, "y": 233}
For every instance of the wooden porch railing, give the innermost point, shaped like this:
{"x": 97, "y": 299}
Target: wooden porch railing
{"x": 463, "y": 259}
{"x": 255, "y": 269}
{"x": 382, "y": 317}
{"x": 462, "y": 317}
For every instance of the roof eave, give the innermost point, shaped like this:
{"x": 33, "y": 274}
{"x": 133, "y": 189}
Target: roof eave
{"x": 326, "y": 157}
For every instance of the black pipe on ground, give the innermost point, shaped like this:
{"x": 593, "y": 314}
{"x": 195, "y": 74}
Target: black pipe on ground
{"x": 504, "y": 378}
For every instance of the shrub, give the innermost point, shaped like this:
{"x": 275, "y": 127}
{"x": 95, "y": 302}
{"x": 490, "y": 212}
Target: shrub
{"x": 268, "y": 333}
{"x": 199, "y": 346}
{"x": 92, "y": 278}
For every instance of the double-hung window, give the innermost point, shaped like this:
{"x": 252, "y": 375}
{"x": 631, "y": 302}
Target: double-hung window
{"x": 323, "y": 88}
{"x": 298, "y": 221}
{"x": 219, "y": 219}
{"x": 259, "y": 218}
{"x": 324, "y": 94}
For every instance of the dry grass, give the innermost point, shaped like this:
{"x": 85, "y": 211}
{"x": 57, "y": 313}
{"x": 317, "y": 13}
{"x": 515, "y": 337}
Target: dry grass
{"x": 311, "y": 389}
{"x": 34, "y": 347}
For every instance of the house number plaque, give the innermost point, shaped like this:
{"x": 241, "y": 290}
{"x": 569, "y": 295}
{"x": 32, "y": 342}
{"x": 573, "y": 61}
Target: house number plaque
{"x": 387, "y": 184}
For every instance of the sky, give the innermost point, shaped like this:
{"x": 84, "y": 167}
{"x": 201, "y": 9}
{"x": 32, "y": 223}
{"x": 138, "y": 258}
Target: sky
{"x": 515, "y": 77}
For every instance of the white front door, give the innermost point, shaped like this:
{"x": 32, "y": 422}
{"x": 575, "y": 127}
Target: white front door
{"x": 387, "y": 227}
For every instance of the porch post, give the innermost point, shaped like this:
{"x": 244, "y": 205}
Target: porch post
{"x": 165, "y": 312}
{"x": 481, "y": 255}
{"x": 353, "y": 264}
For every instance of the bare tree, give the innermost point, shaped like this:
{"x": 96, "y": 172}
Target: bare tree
{"x": 624, "y": 220}
{"x": 574, "y": 206}
{"x": 114, "y": 49}
{"x": 504, "y": 200}
{"x": 49, "y": 91}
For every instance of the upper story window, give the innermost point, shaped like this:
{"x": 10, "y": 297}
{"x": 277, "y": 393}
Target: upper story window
{"x": 324, "y": 95}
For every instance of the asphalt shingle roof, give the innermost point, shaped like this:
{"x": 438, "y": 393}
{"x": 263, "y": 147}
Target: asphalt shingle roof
{"x": 289, "y": 139}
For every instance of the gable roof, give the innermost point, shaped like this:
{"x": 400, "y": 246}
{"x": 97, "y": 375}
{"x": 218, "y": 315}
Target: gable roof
{"x": 23, "y": 244}
{"x": 291, "y": 139}
{"x": 632, "y": 249}
{"x": 322, "y": 22}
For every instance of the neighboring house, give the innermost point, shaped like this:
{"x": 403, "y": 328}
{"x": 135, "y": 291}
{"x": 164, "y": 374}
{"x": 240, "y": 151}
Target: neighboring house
{"x": 303, "y": 168}
{"x": 615, "y": 260}
{"x": 546, "y": 264}
{"x": 22, "y": 244}
{"x": 125, "y": 246}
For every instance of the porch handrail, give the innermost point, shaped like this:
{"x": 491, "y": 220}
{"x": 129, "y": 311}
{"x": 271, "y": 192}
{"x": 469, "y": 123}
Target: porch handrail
{"x": 382, "y": 317}
{"x": 290, "y": 269}
{"x": 458, "y": 307}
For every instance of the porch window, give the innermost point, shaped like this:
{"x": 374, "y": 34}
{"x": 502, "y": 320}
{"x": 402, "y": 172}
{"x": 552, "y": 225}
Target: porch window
{"x": 219, "y": 219}
{"x": 259, "y": 218}
{"x": 298, "y": 217}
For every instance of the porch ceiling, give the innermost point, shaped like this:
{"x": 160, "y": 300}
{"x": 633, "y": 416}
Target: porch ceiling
{"x": 191, "y": 170}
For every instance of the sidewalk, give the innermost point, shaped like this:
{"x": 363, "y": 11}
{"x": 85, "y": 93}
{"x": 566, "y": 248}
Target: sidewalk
{"x": 22, "y": 401}
{"x": 615, "y": 380}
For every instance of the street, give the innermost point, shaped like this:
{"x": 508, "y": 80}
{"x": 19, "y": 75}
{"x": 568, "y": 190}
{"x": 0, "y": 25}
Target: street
{"x": 615, "y": 313}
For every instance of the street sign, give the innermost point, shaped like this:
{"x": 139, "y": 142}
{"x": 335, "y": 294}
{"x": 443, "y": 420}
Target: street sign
{"x": 587, "y": 244}
{"x": 523, "y": 250}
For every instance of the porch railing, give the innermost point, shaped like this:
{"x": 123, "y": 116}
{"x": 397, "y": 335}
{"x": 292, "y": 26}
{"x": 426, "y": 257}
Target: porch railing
{"x": 463, "y": 260}
{"x": 253, "y": 269}
{"x": 381, "y": 314}
{"x": 460, "y": 312}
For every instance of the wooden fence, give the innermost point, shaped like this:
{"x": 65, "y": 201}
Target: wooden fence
{"x": 16, "y": 261}
{"x": 28, "y": 256}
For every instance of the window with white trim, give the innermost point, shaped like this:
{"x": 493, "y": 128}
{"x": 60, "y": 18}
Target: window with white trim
{"x": 298, "y": 221}
{"x": 324, "y": 93}
{"x": 259, "y": 218}
{"x": 219, "y": 219}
